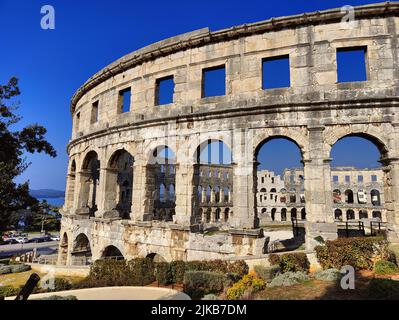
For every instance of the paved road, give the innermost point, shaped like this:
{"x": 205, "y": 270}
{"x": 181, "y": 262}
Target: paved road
{"x": 43, "y": 248}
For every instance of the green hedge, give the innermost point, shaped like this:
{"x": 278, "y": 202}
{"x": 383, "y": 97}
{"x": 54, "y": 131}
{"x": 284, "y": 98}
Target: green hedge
{"x": 290, "y": 262}
{"x": 199, "y": 283}
{"x": 163, "y": 273}
{"x": 267, "y": 273}
{"x": 356, "y": 252}
{"x": 239, "y": 267}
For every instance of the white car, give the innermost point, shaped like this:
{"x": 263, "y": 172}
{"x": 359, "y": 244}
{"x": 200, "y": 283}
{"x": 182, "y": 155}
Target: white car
{"x": 55, "y": 238}
{"x": 22, "y": 239}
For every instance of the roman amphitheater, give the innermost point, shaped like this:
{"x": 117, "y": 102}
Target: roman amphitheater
{"x": 137, "y": 182}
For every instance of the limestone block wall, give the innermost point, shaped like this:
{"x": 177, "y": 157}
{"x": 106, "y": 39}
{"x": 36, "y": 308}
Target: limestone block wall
{"x": 314, "y": 112}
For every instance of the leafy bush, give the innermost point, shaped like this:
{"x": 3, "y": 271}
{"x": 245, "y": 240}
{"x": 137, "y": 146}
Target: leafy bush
{"x": 267, "y": 273}
{"x": 137, "y": 272}
{"x": 199, "y": 283}
{"x": 8, "y": 291}
{"x": 288, "y": 279}
{"x": 163, "y": 273}
{"x": 328, "y": 275}
{"x": 356, "y": 252}
{"x": 5, "y": 269}
{"x": 178, "y": 269}
{"x": 383, "y": 289}
{"x": 16, "y": 268}
{"x": 248, "y": 284}
{"x": 290, "y": 262}
{"x": 238, "y": 267}
{"x": 385, "y": 267}
{"x": 60, "y": 284}
{"x": 142, "y": 271}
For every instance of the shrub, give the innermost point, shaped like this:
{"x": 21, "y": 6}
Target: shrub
{"x": 142, "y": 271}
{"x": 238, "y": 267}
{"x": 199, "y": 283}
{"x": 328, "y": 275}
{"x": 177, "y": 269}
{"x": 290, "y": 261}
{"x": 288, "y": 279}
{"x": 16, "y": 268}
{"x": 8, "y": 291}
{"x": 210, "y": 296}
{"x": 356, "y": 252}
{"x": 60, "y": 284}
{"x": 385, "y": 267}
{"x": 163, "y": 273}
{"x": 248, "y": 284}
{"x": 267, "y": 273}
{"x": 5, "y": 269}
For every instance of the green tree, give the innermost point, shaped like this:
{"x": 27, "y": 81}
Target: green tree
{"x": 13, "y": 145}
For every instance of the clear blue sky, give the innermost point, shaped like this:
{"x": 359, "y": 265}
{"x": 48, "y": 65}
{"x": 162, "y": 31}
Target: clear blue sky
{"x": 52, "y": 64}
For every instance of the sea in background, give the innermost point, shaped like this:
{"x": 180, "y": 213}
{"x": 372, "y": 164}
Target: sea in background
{"x": 58, "y": 202}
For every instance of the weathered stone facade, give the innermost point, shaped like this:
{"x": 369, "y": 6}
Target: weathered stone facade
{"x": 314, "y": 112}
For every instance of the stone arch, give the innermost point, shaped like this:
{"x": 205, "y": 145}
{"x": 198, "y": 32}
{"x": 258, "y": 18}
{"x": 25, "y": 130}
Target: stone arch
{"x": 71, "y": 181}
{"x": 156, "y": 257}
{"x": 363, "y": 214}
{"x": 81, "y": 254}
{"x": 273, "y": 214}
{"x": 112, "y": 252}
{"x": 349, "y": 196}
{"x": 375, "y": 197}
{"x": 89, "y": 181}
{"x": 283, "y": 214}
{"x": 338, "y": 215}
{"x": 303, "y": 214}
{"x": 119, "y": 184}
{"x": 350, "y": 214}
{"x": 294, "y": 213}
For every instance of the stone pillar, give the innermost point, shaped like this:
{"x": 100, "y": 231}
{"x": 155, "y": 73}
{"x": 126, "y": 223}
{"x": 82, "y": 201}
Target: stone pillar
{"x": 391, "y": 193}
{"x": 213, "y": 215}
{"x": 141, "y": 201}
{"x": 107, "y": 197}
{"x": 185, "y": 193}
{"x": 244, "y": 172}
{"x": 318, "y": 191}
{"x": 83, "y": 192}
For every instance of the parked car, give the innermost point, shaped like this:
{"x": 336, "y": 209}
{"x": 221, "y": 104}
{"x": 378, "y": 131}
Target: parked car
{"x": 22, "y": 239}
{"x": 10, "y": 241}
{"x": 54, "y": 238}
{"x": 37, "y": 240}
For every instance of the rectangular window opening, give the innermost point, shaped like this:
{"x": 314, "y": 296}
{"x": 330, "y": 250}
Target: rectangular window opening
{"x": 351, "y": 64}
{"x": 373, "y": 178}
{"x": 276, "y": 72}
{"x": 77, "y": 121}
{"x": 359, "y": 178}
{"x": 214, "y": 81}
{"x": 94, "y": 112}
{"x": 164, "y": 90}
{"x": 124, "y": 100}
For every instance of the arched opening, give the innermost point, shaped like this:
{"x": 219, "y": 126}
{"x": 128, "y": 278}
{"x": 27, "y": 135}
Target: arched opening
{"x": 338, "y": 215}
{"x": 350, "y": 214}
{"x": 375, "y": 197}
{"x": 112, "y": 252}
{"x": 226, "y": 214}
{"x": 273, "y": 214}
{"x": 279, "y": 168}
{"x": 90, "y": 177}
{"x": 349, "y": 196}
{"x": 64, "y": 249}
{"x": 161, "y": 182}
{"x": 355, "y": 167}
{"x": 303, "y": 214}
{"x": 81, "y": 254}
{"x": 337, "y": 196}
{"x": 284, "y": 214}
{"x": 156, "y": 257}
{"x": 377, "y": 215}
{"x": 119, "y": 182}
{"x": 213, "y": 169}
{"x": 363, "y": 214}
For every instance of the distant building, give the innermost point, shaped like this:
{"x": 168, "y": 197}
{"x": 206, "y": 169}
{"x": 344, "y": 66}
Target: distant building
{"x": 357, "y": 194}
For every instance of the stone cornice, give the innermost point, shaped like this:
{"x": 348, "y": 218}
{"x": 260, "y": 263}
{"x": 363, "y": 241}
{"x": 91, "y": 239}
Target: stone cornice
{"x": 202, "y": 37}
